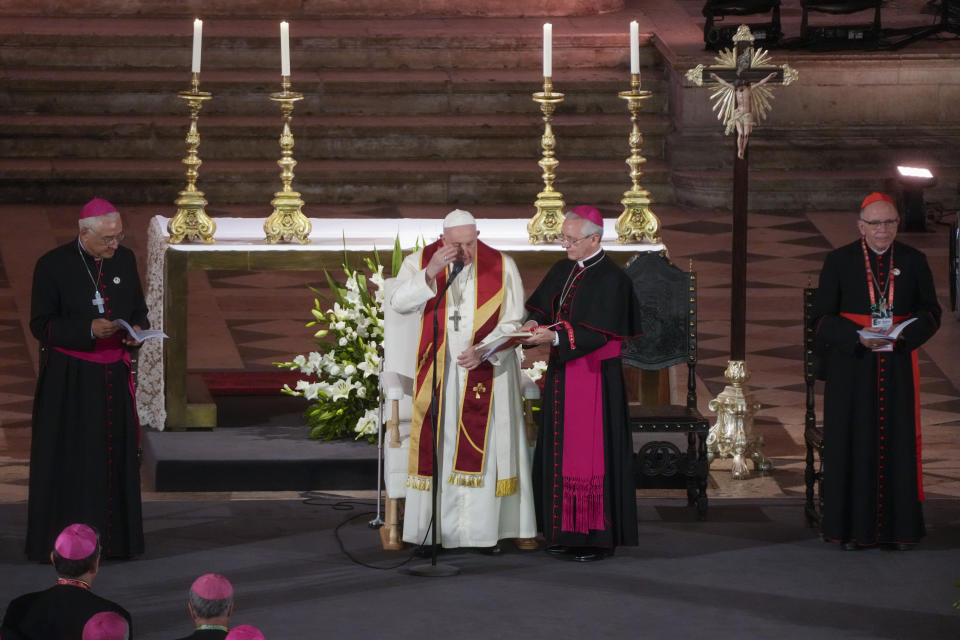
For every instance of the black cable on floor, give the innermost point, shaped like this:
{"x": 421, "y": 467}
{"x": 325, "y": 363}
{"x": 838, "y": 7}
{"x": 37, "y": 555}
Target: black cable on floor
{"x": 310, "y": 498}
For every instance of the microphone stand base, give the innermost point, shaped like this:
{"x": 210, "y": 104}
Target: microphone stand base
{"x": 439, "y": 570}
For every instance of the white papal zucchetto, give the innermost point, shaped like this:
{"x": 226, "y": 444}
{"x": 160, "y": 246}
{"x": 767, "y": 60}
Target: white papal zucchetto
{"x": 458, "y": 218}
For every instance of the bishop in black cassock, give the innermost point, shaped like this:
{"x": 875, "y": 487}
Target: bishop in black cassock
{"x": 872, "y": 481}
{"x": 84, "y": 463}
{"x": 583, "y": 466}
{"x": 62, "y": 611}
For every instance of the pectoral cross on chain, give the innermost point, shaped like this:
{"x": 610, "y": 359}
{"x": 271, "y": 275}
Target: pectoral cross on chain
{"x": 98, "y": 302}
{"x": 456, "y": 317}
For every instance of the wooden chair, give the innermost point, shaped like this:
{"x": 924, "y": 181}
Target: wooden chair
{"x": 840, "y": 7}
{"x": 717, "y": 37}
{"x": 668, "y": 299}
{"x": 812, "y": 432}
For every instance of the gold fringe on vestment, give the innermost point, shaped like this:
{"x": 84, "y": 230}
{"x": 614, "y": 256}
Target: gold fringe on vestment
{"x": 421, "y": 483}
{"x": 466, "y": 479}
{"x": 506, "y": 487}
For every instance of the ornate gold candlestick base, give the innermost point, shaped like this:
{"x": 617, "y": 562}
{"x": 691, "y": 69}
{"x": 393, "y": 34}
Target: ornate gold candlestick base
{"x": 732, "y": 435}
{"x": 287, "y": 223}
{"x": 637, "y": 220}
{"x": 545, "y": 225}
{"x": 191, "y": 222}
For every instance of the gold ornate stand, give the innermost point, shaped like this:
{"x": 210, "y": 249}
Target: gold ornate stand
{"x": 545, "y": 225}
{"x": 637, "y": 220}
{"x": 191, "y": 221}
{"x": 732, "y": 435}
{"x": 287, "y": 223}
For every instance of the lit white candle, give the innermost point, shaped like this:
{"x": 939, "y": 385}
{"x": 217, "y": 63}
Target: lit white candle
{"x": 634, "y": 47}
{"x": 197, "y": 37}
{"x": 547, "y": 50}
{"x": 284, "y": 49}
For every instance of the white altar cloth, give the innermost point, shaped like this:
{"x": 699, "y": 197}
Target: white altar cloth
{"x": 328, "y": 234}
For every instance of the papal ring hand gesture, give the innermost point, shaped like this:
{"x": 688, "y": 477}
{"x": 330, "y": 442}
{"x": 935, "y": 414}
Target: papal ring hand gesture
{"x": 440, "y": 259}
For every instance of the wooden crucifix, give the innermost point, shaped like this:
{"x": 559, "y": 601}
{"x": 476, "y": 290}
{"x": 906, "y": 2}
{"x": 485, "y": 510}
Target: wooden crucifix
{"x": 742, "y": 80}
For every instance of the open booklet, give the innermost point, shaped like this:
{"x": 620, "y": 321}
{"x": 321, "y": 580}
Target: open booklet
{"x": 143, "y": 334}
{"x": 501, "y": 342}
{"x": 872, "y": 334}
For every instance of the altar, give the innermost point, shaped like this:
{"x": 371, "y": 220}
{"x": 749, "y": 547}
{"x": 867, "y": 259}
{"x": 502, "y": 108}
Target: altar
{"x": 162, "y": 369}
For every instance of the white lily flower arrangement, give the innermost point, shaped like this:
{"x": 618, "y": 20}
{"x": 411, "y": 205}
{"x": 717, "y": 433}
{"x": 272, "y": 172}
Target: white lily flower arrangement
{"x": 343, "y": 382}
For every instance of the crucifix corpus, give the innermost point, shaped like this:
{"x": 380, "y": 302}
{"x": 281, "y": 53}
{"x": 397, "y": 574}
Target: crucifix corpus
{"x": 742, "y": 81}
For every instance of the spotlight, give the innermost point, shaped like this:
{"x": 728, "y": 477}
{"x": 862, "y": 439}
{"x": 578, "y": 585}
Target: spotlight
{"x": 911, "y": 181}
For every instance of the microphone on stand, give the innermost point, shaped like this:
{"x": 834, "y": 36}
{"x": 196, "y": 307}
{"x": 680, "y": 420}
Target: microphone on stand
{"x": 454, "y": 272}
{"x": 434, "y": 569}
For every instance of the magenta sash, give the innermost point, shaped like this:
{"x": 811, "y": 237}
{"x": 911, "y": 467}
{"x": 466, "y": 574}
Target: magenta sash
{"x": 108, "y": 351}
{"x": 583, "y": 452}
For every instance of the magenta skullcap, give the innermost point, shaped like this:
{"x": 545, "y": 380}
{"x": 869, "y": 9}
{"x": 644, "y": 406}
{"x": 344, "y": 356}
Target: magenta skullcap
{"x": 76, "y": 542}
{"x": 589, "y": 213}
{"x": 245, "y": 632}
{"x": 212, "y": 586}
{"x": 105, "y": 625}
{"x": 97, "y": 207}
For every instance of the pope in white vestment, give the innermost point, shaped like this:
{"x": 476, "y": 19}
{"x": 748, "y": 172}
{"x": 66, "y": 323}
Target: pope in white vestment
{"x": 484, "y": 492}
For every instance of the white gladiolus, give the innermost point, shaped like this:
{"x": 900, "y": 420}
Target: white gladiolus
{"x": 340, "y": 390}
{"x": 367, "y": 424}
{"x": 536, "y": 371}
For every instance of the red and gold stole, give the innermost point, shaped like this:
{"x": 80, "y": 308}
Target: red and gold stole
{"x": 474, "y": 410}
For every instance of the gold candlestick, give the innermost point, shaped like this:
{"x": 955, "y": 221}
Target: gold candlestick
{"x": 545, "y": 225}
{"x": 637, "y": 220}
{"x": 191, "y": 221}
{"x": 287, "y": 222}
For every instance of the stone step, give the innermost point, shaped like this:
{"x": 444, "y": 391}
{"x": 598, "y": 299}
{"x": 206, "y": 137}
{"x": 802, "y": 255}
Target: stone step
{"x": 824, "y": 148}
{"x": 798, "y": 190}
{"x": 456, "y": 137}
{"x": 308, "y": 8}
{"x": 351, "y": 92}
{"x": 322, "y": 182}
{"x": 244, "y": 44}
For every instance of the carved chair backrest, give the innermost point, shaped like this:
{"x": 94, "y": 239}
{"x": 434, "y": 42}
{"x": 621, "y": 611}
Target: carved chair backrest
{"x": 668, "y": 303}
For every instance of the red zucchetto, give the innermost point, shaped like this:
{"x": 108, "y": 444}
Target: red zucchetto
{"x": 876, "y": 196}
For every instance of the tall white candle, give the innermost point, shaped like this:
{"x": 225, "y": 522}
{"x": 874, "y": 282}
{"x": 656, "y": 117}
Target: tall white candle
{"x": 547, "y": 50}
{"x": 197, "y": 37}
{"x": 284, "y": 49}
{"x": 634, "y": 47}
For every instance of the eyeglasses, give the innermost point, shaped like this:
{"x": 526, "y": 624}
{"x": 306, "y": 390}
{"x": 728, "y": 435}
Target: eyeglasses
{"x": 111, "y": 239}
{"x": 873, "y": 224}
{"x": 570, "y": 242}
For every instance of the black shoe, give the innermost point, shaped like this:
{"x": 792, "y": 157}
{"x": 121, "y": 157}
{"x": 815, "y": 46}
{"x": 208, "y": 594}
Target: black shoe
{"x": 556, "y": 550}
{"x": 495, "y": 550}
{"x": 426, "y": 551}
{"x": 849, "y": 546}
{"x": 588, "y": 554}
